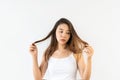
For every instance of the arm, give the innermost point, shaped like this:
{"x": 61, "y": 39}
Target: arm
{"x": 36, "y": 71}
{"x": 39, "y": 71}
{"x": 85, "y": 68}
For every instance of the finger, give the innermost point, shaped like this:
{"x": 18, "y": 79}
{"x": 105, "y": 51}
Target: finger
{"x": 32, "y": 48}
{"x": 33, "y": 44}
{"x": 89, "y": 48}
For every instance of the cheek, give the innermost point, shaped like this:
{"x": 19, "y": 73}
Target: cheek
{"x": 68, "y": 37}
{"x": 57, "y": 35}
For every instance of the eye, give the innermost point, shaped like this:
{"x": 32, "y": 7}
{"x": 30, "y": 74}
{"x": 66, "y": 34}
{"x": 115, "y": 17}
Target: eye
{"x": 61, "y": 31}
{"x": 67, "y": 32}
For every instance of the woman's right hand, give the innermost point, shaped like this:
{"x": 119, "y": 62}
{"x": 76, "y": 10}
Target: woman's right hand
{"x": 33, "y": 50}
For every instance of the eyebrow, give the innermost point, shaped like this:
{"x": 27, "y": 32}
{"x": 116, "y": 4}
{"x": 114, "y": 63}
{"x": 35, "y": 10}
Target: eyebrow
{"x": 62, "y": 29}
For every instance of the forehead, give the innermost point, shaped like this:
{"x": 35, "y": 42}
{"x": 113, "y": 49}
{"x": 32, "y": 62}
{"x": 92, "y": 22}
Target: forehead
{"x": 63, "y": 27}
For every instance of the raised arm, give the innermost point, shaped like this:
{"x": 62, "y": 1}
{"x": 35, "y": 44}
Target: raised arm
{"x": 36, "y": 71}
{"x": 85, "y": 67}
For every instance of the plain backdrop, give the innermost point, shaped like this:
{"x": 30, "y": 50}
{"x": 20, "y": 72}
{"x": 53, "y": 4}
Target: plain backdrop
{"x": 25, "y": 21}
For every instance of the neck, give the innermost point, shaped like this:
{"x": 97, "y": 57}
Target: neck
{"x": 61, "y": 47}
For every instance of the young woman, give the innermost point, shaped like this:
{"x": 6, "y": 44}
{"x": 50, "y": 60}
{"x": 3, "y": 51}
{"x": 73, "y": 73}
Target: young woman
{"x": 64, "y": 55}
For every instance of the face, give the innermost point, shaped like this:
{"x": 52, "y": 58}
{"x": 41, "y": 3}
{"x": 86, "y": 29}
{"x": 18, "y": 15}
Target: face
{"x": 62, "y": 34}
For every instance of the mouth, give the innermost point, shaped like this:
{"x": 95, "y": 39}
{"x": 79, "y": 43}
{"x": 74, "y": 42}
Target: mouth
{"x": 63, "y": 40}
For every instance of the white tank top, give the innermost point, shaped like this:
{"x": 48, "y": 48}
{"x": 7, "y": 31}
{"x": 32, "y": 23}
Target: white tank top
{"x": 61, "y": 68}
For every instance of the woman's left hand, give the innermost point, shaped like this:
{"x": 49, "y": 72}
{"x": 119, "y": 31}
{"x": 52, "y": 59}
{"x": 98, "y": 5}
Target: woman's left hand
{"x": 89, "y": 51}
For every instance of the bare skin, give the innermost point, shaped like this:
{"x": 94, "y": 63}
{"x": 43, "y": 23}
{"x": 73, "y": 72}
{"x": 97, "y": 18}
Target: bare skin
{"x": 63, "y": 35}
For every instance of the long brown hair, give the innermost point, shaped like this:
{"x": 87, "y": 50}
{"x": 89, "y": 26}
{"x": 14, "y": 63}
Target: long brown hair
{"x": 75, "y": 43}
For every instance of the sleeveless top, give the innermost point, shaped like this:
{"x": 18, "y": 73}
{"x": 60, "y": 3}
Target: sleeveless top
{"x": 61, "y": 68}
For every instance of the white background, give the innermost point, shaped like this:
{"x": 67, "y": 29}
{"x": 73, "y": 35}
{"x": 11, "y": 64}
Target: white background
{"x": 24, "y": 21}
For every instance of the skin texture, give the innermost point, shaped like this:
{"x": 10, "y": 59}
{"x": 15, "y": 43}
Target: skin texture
{"x": 62, "y": 36}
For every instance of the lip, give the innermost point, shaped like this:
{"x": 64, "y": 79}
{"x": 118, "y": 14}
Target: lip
{"x": 63, "y": 40}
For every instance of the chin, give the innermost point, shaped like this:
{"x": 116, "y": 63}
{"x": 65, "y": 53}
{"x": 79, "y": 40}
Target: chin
{"x": 62, "y": 43}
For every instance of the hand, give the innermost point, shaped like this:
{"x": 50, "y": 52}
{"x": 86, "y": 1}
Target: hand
{"x": 89, "y": 51}
{"x": 33, "y": 50}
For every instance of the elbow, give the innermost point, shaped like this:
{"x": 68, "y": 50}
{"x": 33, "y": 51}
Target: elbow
{"x": 37, "y": 75}
{"x": 86, "y": 77}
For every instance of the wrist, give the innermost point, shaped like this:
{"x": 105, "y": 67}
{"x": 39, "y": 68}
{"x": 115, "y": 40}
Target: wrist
{"x": 35, "y": 61}
{"x": 89, "y": 58}
{"x": 34, "y": 56}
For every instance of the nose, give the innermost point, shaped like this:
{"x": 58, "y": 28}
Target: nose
{"x": 64, "y": 35}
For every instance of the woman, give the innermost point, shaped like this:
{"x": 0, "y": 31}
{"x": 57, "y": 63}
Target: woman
{"x": 64, "y": 55}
